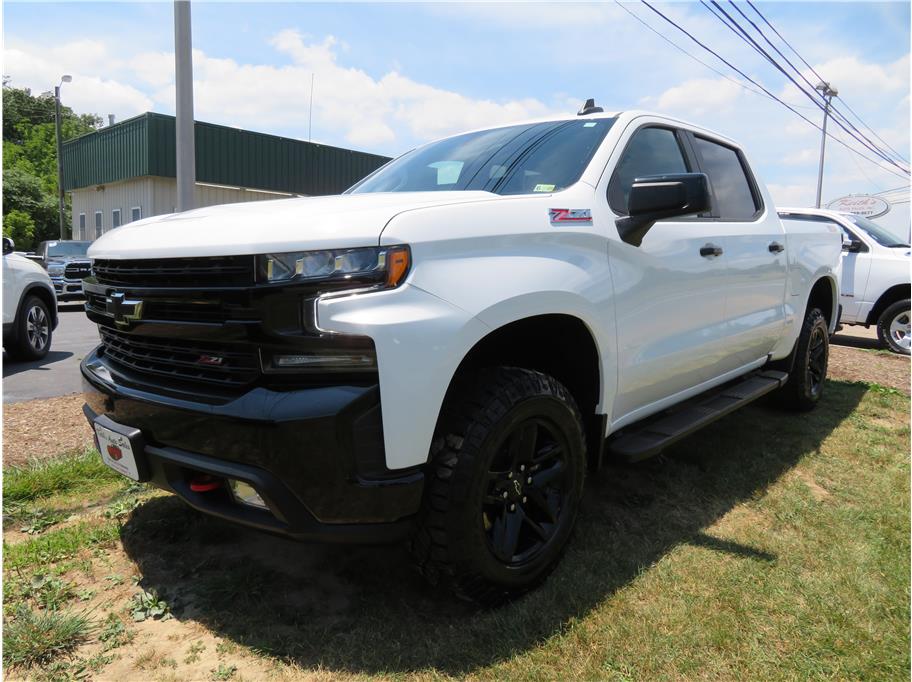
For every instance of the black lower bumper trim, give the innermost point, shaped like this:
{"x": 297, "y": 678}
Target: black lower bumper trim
{"x": 298, "y": 449}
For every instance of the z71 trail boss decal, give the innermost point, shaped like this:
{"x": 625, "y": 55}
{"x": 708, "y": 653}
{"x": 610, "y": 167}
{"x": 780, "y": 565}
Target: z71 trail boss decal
{"x": 570, "y": 215}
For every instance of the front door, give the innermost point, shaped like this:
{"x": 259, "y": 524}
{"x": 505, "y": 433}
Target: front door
{"x": 669, "y": 297}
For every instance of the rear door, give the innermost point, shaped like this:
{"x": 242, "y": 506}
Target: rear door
{"x": 669, "y": 298}
{"x": 755, "y": 257}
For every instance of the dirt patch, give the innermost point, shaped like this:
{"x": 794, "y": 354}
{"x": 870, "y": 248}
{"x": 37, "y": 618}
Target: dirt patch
{"x": 43, "y": 428}
{"x": 853, "y": 364}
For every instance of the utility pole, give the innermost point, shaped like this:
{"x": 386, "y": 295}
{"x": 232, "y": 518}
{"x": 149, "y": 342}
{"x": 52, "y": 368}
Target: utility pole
{"x": 828, "y": 93}
{"x": 61, "y": 196}
{"x": 183, "y": 68}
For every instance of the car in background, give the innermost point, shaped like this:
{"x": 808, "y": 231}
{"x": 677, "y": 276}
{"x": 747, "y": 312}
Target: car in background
{"x": 29, "y": 306}
{"x": 67, "y": 264}
{"x": 875, "y": 275}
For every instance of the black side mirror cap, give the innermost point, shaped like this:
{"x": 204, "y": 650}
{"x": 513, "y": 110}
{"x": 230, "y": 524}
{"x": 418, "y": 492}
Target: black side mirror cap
{"x": 662, "y": 196}
{"x": 8, "y": 245}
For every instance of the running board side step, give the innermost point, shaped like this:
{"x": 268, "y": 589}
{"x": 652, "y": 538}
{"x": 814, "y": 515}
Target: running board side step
{"x": 652, "y": 435}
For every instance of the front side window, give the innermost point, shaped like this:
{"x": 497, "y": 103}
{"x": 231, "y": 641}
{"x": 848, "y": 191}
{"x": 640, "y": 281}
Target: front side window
{"x": 878, "y": 233}
{"x": 735, "y": 197}
{"x": 522, "y": 159}
{"x": 651, "y": 151}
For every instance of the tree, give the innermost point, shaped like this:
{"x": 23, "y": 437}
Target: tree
{"x": 30, "y": 155}
{"x": 19, "y": 226}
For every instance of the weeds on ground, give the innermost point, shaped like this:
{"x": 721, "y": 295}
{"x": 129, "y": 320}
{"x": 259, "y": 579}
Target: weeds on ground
{"x": 38, "y": 637}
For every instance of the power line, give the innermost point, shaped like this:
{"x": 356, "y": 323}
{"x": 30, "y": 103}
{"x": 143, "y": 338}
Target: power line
{"x": 813, "y": 90}
{"x": 765, "y": 90}
{"x": 733, "y": 25}
{"x": 814, "y": 71}
{"x": 697, "y": 59}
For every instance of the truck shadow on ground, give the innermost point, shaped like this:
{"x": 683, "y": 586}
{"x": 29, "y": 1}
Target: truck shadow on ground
{"x": 11, "y": 367}
{"x": 364, "y": 610}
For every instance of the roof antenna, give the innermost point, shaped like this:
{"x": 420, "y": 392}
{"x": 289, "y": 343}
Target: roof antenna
{"x": 589, "y": 108}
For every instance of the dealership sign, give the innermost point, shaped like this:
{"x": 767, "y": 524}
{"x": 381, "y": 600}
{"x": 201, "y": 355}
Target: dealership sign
{"x": 864, "y": 205}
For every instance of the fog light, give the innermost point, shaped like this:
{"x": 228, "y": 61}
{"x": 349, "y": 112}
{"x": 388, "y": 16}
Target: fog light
{"x": 326, "y": 361}
{"x": 244, "y": 493}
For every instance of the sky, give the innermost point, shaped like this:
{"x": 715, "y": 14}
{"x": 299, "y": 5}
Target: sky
{"x": 388, "y": 77}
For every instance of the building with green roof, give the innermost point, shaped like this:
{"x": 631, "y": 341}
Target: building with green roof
{"x": 127, "y": 171}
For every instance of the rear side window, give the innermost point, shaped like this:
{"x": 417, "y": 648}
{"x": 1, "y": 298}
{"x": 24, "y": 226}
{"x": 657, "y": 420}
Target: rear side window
{"x": 651, "y": 151}
{"x": 735, "y": 198}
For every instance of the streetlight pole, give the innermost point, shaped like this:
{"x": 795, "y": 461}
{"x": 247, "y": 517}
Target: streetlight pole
{"x": 828, "y": 93}
{"x": 61, "y": 196}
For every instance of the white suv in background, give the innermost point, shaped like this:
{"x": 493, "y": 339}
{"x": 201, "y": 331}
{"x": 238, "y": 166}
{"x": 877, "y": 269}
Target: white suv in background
{"x": 29, "y": 306}
{"x": 875, "y": 275}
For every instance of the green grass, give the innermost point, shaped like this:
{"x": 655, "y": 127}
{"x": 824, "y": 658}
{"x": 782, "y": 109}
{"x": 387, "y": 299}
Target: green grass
{"x": 73, "y": 472}
{"x": 56, "y": 545}
{"x": 33, "y": 638}
{"x": 770, "y": 546}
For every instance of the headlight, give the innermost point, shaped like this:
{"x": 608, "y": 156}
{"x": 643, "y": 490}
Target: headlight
{"x": 56, "y": 269}
{"x": 381, "y": 266}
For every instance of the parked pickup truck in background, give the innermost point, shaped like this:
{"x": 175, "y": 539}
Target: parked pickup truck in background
{"x": 67, "y": 264}
{"x": 444, "y": 351}
{"x": 875, "y": 275}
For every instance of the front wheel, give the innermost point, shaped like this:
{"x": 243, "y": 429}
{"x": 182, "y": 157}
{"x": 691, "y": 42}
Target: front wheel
{"x": 804, "y": 387}
{"x": 504, "y": 486}
{"x": 893, "y": 327}
{"x": 33, "y": 331}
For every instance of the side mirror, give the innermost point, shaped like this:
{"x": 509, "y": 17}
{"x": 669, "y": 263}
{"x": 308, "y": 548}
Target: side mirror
{"x": 8, "y": 245}
{"x": 662, "y": 196}
{"x": 850, "y": 245}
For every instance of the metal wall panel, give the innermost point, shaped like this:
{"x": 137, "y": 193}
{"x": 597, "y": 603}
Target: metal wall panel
{"x": 145, "y": 145}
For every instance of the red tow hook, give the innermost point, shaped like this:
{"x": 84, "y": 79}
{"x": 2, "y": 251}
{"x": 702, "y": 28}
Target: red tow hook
{"x": 204, "y": 483}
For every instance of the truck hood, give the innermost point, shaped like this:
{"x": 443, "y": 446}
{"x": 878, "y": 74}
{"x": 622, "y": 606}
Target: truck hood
{"x": 343, "y": 221}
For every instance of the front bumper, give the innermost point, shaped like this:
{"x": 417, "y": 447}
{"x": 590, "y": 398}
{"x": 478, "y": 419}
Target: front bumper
{"x": 314, "y": 454}
{"x": 67, "y": 289}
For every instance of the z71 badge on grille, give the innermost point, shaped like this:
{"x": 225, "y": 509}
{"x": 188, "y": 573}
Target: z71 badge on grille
{"x": 570, "y": 215}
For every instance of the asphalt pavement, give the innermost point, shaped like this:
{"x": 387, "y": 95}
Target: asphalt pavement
{"x": 58, "y": 373}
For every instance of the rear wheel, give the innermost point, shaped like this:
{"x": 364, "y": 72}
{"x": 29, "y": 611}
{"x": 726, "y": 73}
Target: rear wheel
{"x": 504, "y": 487}
{"x": 33, "y": 331}
{"x": 805, "y": 383}
{"x": 893, "y": 327}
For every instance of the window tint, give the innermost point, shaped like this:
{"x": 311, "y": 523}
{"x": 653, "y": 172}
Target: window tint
{"x": 651, "y": 151}
{"x": 734, "y": 197}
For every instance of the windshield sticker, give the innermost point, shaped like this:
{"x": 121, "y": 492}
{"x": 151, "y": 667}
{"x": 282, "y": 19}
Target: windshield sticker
{"x": 561, "y": 216}
{"x": 543, "y": 188}
{"x": 590, "y": 124}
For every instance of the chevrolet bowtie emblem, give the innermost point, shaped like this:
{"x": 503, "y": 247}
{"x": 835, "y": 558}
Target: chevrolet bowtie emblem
{"x": 122, "y": 309}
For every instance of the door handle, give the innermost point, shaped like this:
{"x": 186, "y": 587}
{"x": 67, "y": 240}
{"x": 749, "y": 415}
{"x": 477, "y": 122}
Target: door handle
{"x": 776, "y": 247}
{"x": 710, "y": 250}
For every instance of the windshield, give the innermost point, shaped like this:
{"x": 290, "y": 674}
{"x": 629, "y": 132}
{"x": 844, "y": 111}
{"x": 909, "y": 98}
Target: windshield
{"x": 878, "y": 233}
{"x": 520, "y": 159}
{"x": 58, "y": 249}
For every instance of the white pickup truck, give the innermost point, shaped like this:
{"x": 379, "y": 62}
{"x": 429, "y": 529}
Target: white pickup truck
{"x": 442, "y": 352}
{"x": 875, "y": 275}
